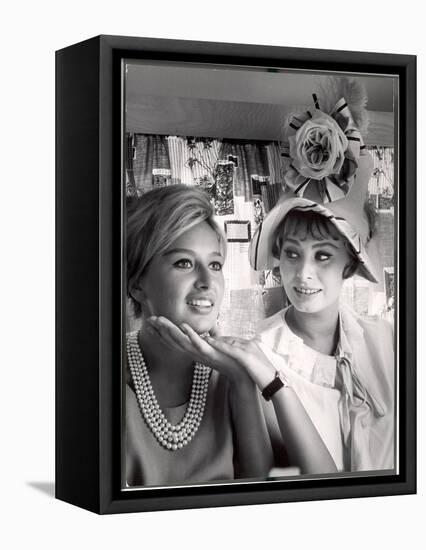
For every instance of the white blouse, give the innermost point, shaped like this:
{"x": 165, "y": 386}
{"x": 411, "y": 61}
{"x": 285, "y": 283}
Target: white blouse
{"x": 354, "y": 417}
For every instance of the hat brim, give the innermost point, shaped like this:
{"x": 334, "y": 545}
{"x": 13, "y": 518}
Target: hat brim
{"x": 261, "y": 246}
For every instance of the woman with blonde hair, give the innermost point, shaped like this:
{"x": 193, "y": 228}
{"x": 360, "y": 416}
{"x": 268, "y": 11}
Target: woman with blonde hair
{"x": 185, "y": 421}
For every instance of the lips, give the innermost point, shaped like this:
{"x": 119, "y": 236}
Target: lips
{"x": 201, "y": 304}
{"x": 307, "y": 291}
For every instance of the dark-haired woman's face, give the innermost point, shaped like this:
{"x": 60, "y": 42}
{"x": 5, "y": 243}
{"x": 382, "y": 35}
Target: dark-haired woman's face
{"x": 312, "y": 271}
{"x": 186, "y": 284}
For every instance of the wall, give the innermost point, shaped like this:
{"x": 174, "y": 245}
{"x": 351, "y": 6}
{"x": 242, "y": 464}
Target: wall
{"x": 30, "y": 32}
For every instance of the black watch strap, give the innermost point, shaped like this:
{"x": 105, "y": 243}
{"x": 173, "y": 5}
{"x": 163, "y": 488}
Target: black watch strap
{"x": 271, "y": 389}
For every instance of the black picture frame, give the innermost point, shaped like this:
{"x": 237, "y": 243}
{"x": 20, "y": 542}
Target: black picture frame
{"x": 89, "y": 282}
{"x": 244, "y": 225}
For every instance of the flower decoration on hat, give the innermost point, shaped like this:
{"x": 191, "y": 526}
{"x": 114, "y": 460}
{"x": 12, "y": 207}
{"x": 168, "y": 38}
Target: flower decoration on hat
{"x": 323, "y": 145}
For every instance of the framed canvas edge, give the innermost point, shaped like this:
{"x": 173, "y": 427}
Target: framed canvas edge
{"x": 76, "y": 275}
{"x": 110, "y": 496}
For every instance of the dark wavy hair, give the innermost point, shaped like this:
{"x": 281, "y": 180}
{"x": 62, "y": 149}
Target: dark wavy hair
{"x": 316, "y": 226}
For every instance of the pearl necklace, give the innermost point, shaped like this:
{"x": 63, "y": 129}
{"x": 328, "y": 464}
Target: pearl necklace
{"x": 172, "y": 437}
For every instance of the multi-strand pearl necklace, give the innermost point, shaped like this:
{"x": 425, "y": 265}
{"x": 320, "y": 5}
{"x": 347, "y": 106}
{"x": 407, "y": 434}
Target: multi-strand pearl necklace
{"x": 172, "y": 437}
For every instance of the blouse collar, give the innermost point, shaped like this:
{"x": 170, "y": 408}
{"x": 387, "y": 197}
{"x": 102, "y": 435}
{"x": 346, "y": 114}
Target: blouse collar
{"x": 316, "y": 367}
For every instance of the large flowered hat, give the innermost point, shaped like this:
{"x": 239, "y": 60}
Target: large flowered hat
{"x": 327, "y": 170}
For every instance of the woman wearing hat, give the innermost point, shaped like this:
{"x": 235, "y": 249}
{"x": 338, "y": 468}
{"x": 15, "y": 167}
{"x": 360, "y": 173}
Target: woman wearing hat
{"x": 340, "y": 365}
{"x": 327, "y": 372}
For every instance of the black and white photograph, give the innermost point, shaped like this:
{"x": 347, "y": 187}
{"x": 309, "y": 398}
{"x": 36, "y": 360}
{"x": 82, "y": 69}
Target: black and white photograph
{"x": 242, "y": 218}
{"x": 260, "y": 266}
{"x": 213, "y": 228}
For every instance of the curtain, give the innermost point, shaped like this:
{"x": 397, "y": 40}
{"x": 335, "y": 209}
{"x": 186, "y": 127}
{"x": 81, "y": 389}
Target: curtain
{"x": 381, "y": 185}
{"x": 192, "y": 161}
{"x": 251, "y": 160}
{"x": 147, "y": 163}
{"x": 276, "y": 166}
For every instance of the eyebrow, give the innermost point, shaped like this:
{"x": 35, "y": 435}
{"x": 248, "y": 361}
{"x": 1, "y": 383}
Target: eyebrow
{"x": 188, "y": 251}
{"x": 317, "y": 245}
{"x": 325, "y": 243}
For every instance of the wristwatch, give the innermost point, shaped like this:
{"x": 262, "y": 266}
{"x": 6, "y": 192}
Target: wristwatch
{"x": 279, "y": 381}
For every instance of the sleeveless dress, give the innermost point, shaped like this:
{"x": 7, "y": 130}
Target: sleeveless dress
{"x": 208, "y": 457}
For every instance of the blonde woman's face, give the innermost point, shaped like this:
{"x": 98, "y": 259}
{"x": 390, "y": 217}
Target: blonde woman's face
{"x": 186, "y": 284}
{"x": 312, "y": 271}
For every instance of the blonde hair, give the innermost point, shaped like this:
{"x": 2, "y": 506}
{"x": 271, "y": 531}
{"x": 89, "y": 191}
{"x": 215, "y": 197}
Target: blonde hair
{"x": 155, "y": 220}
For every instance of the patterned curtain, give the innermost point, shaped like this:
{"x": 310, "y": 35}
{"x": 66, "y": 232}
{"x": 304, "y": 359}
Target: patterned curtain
{"x": 147, "y": 163}
{"x": 179, "y": 157}
{"x": 382, "y": 194}
{"x": 381, "y": 186}
{"x": 275, "y": 163}
{"x": 251, "y": 159}
{"x": 192, "y": 161}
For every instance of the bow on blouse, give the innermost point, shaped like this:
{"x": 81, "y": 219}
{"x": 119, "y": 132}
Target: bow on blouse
{"x": 353, "y": 389}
